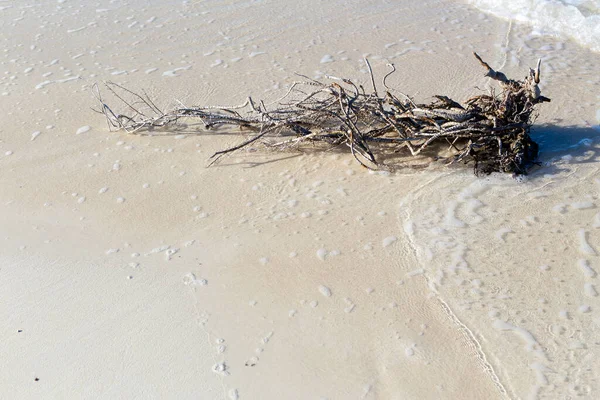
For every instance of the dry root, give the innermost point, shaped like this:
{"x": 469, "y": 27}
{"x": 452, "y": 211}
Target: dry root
{"x": 491, "y": 130}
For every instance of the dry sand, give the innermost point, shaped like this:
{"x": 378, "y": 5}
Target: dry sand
{"x": 129, "y": 270}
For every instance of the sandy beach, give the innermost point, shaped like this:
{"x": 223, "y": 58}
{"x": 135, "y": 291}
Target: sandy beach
{"x": 129, "y": 269}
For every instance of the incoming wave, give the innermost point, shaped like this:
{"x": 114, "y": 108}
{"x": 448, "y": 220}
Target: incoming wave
{"x": 576, "y": 19}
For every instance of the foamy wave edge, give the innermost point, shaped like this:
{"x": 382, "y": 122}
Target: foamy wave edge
{"x": 551, "y": 17}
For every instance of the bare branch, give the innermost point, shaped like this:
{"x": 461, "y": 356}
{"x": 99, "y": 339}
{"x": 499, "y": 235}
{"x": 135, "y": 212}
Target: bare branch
{"x": 489, "y": 130}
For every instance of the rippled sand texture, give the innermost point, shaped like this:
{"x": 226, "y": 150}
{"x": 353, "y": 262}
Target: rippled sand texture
{"x": 130, "y": 270}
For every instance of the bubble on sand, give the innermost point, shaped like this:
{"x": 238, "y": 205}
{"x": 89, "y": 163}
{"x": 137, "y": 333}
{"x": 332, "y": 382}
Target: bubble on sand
{"x": 83, "y": 129}
{"x": 596, "y": 223}
{"x": 325, "y": 291}
{"x": 501, "y": 233}
{"x": 158, "y": 249}
{"x": 590, "y": 290}
{"x": 415, "y": 272}
{"x": 267, "y": 337}
{"x": 191, "y": 280}
{"x": 42, "y": 84}
{"x": 173, "y": 72}
{"x": 321, "y": 254}
{"x": 586, "y": 269}
{"x": 584, "y": 308}
{"x": 584, "y": 246}
{"x": 350, "y": 304}
{"x": 169, "y": 253}
{"x": 531, "y": 344}
{"x": 221, "y": 368}
{"x": 582, "y": 205}
{"x": 388, "y": 241}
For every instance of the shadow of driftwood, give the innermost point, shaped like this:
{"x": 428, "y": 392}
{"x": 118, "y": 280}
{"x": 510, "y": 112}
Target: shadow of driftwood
{"x": 253, "y": 164}
{"x": 191, "y": 129}
{"x": 574, "y": 144}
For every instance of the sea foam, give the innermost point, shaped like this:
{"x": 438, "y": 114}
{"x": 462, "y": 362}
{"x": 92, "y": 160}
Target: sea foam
{"x": 576, "y": 19}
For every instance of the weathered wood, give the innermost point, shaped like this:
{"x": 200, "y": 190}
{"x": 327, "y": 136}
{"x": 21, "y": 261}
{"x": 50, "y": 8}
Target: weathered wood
{"x": 490, "y": 130}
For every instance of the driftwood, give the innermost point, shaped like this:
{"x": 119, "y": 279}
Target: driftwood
{"x": 489, "y": 130}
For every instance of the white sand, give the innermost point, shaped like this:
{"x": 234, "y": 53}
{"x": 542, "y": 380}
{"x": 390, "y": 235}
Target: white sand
{"x": 130, "y": 270}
